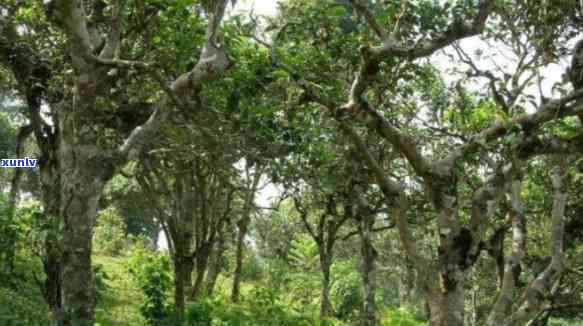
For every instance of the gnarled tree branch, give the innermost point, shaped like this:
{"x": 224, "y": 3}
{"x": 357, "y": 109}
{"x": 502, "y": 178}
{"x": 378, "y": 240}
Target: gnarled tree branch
{"x": 512, "y": 269}
{"x": 534, "y": 297}
{"x": 212, "y": 63}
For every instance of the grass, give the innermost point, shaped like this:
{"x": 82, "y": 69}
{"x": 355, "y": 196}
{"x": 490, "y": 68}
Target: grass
{"x": 119, "y": 304}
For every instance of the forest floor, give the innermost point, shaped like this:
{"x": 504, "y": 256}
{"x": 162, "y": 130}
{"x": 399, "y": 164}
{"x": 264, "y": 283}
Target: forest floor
{"x": 119, "y": 303}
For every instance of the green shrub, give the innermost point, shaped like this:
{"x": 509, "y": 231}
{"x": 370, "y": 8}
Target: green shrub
{"x": 151, "y": 271}
{"x": 109, "y": 235}
{"x": 232, "y": 315}
{"x": 260, "y": 307}
{"x": 265, "y": 309}
{"x": 16, "y": 233}
{"x": 277, "y": 274}
{"x": 346, "y": 293}
{"x": 402, "y": 317}
{"x": 101, "y": 286}
{"x": 23, "y": 307}
{"x": 119, "y": 296}
{"x": 251, "y": 270}
{"x": 199, "y": 313}
{"x": 21, "y": 301}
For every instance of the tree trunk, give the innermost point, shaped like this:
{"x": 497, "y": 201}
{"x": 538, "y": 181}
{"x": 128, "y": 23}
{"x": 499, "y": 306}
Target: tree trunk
{"x": 81, "y": 193}
{"x": 202, "y": 258}
{"x": 325, "y": 304}
{"x": 216, "y": 263}
{"x": 52, "y": 256}
{"x": 406, "y": 280}
{"x": 447, "y": 308}
{"x": 368, "y": 271}
{"x": 496, "y": 251}
{"x": 213, "y": 274}
{"x": 51, "y": 288}
{"x": 446, "y": 302}
{"x": 538, "y": 295}
{"x": 83, "y": 171}
{"x": 243, "y": 224}
{"x": 512, "y": 269}
{"x": 180, "y": 230}
{"x": 183, "y": 265}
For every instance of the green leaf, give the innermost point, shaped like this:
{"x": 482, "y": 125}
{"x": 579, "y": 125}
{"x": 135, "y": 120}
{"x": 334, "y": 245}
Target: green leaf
{"x": 339, "y": 11}
{"x": 280, "y": 73}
